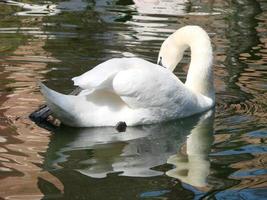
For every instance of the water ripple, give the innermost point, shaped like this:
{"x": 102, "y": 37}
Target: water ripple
{"x": 81, "y": 34}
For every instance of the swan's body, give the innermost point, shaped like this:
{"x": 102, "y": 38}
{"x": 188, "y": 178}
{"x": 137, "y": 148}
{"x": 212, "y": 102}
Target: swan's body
{"x": 139, "y": 92}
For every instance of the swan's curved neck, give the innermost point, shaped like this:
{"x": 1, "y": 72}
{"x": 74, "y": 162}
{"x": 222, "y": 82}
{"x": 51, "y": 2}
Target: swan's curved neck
{"x": 200, "y": 74}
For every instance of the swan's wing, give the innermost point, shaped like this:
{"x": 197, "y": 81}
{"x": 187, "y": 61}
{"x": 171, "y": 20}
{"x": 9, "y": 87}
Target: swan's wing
{"x": 137, "y": 82}
{"x": 102, "y": 75}
{"x": 152, "y": 86}
{"x": 98, "y": 75}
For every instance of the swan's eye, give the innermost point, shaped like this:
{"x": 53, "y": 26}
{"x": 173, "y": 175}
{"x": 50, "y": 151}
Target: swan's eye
{"x": 160, "y": 62}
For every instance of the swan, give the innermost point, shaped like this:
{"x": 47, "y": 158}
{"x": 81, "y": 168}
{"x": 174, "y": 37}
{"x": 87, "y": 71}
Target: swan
{"x": 136, "y": 91}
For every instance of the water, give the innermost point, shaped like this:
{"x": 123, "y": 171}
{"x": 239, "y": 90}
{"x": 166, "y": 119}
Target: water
{"x": 147, "y": 162}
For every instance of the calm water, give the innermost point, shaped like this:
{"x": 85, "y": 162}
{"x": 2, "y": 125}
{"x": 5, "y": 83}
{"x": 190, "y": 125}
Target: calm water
{"x": 220, "y": 154}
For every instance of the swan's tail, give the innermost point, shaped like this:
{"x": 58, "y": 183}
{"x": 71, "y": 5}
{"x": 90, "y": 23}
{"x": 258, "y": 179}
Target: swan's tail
{"x": 61, "y": 105}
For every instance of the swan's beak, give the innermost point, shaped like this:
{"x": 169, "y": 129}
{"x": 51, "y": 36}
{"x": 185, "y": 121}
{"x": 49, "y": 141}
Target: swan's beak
{"x": 160, "y": 62}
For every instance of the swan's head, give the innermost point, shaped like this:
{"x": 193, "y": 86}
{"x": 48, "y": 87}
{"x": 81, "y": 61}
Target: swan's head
{"x": 170, "y": 53}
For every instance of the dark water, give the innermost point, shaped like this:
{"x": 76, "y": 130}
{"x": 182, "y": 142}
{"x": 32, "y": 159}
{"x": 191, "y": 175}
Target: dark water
{"x": 220, "y": 154}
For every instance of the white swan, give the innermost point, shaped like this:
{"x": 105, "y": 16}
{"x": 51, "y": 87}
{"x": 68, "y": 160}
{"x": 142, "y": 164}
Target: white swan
{"x": 139, "y": 92}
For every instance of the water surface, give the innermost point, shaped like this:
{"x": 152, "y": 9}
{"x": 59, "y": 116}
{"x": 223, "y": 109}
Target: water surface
{"x": 220, "y": 154}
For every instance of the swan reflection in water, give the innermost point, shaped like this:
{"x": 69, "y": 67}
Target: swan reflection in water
{"x": 97, "y": 152}
{"x": 194, "y": 166}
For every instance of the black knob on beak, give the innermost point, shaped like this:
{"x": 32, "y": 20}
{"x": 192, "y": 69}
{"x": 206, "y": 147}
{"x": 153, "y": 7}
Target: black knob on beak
{"x": 160, "y": 62}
